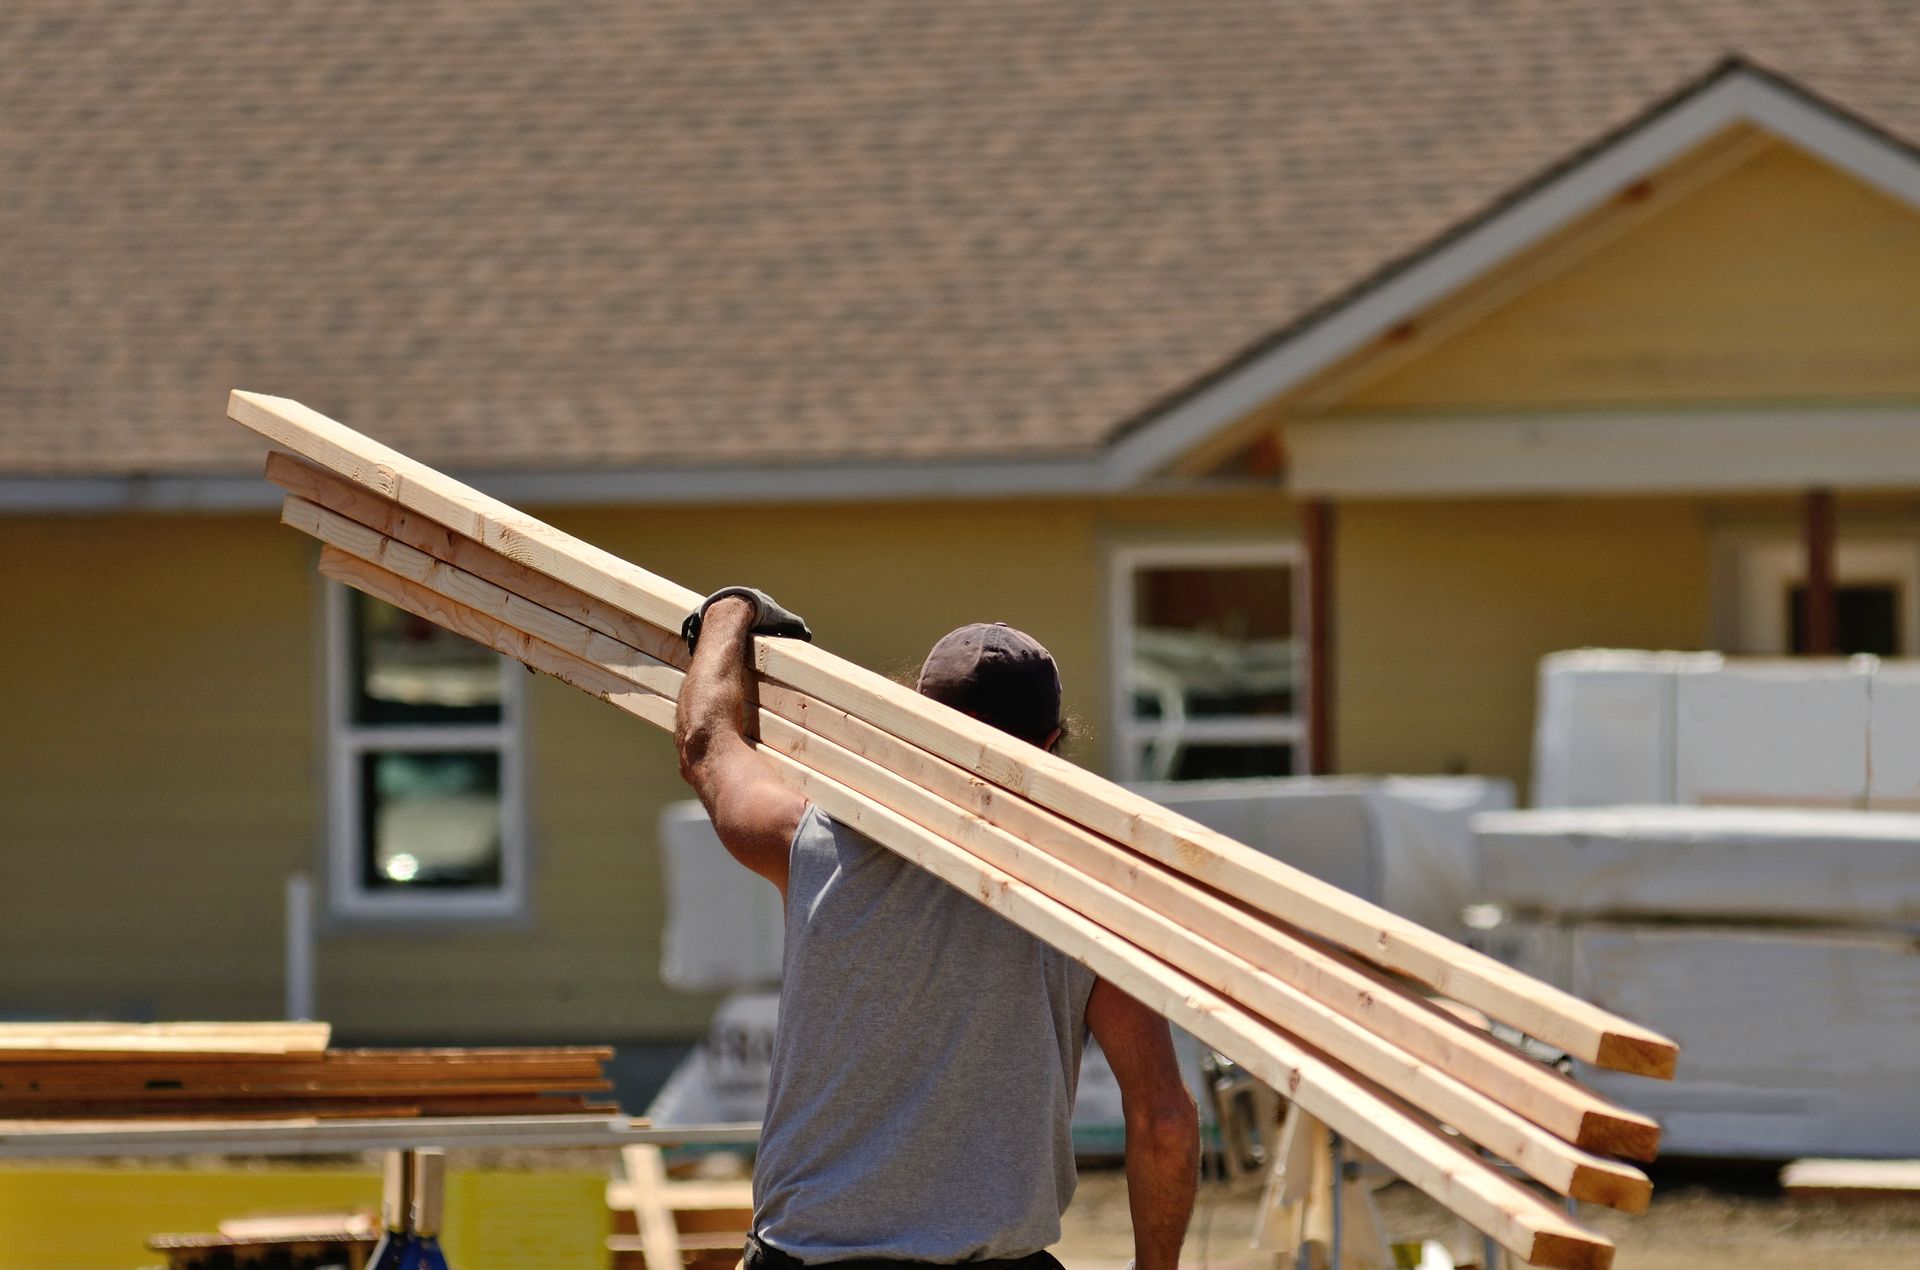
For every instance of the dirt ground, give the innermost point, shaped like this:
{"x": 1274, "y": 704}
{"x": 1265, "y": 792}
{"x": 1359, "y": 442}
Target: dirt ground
{"x": 1700, "y": 1220}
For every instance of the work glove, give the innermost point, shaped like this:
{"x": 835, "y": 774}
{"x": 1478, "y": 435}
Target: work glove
{"x": 768, "y": 617}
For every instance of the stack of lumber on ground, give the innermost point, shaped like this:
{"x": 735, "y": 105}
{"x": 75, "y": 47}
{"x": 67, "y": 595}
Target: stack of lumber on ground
{"x": 266, "y": 1071}
{"x": 700, "y": 1223}
{"x": 1295, "y": 979}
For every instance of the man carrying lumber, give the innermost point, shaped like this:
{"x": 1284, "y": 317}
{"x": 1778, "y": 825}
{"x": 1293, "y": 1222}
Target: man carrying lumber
{"x": 928, "y": 1049}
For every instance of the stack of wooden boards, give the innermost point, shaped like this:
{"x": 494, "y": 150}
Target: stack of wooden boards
{"x": 700, "y": 1223}
{"x": 260, "y": 1071}
{"x": 1290, "y": 976}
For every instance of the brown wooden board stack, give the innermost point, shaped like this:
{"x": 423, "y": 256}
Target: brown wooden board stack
{"x": 1291, "y": 977}
{"x": 230, "y": 1072}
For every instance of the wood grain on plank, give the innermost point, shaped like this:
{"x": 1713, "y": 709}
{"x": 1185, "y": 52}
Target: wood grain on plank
{"x": 1521, "y": 1220}
{"x": 1550, "y": 1014}
{"x": 1325, "y": 974}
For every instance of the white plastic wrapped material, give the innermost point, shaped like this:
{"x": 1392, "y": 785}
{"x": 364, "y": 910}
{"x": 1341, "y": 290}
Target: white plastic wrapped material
{"x": 1792, "y": 1043}
{"x": 1604, "y": 726}
{"x": 724, "y": 927}
{"x": 1893, "y": 738}
{"x": 1713, "y": 863}
{"x": 1404, "y": 843}
{"x": 726, "y": 1078}
{"x": 1774, "y": 733}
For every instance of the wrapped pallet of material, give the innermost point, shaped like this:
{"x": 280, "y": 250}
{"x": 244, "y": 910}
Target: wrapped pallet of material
{"x": 1704, "y": 863}
{"x": 1798, "y": 1042}
{"x": 1774, "y": 733}
{"x": 1605, "y": 723}
{"x": 724, "y": 928}
{"x": 1405, "y": 843}
{"x": 1893, "y": 737}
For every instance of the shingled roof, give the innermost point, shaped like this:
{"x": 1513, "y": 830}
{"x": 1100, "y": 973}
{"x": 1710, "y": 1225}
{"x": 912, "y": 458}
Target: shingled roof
{"x": 574, "y": 236}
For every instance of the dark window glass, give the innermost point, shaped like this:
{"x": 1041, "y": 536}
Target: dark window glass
{"x": 1866, "y": 618}
{"x": 1214, "y": 760}
{"x": 408, "y": 670}
{"x": 430, "y": 819}
{"x": 1213, "y": 641}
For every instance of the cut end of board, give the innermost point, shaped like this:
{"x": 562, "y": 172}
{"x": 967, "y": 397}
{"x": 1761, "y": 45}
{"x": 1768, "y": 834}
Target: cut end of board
{"x": 1619, "y": 1187}
{"x": 1570, "y": 1252}
{"x": 1619, "y": 1133}
{"x": 239, "y": 401}
{"x": 1645, "y": 1054}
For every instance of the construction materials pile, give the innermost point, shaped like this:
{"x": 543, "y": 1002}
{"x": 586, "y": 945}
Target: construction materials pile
{"x": 1298, "y": 981}
{"x": 261, "y": 1071}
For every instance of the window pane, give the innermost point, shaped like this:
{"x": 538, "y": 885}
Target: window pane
{"x": 407, "y": 670}
{"x": 1169, "y": 760}
{"x": 1866, "y": 618}
{"x": 430, "y": 819}
{"x": 1213, "y": 641}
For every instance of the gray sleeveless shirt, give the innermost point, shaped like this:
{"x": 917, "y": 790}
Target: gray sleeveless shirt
{"x": 924, "y": 1067}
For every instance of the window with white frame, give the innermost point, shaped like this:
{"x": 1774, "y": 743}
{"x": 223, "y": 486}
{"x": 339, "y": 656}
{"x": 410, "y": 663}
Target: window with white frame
{"x": 1208, "y": 668}
{"x": 1876, "y": 596}
{"x": 424, "y": 771}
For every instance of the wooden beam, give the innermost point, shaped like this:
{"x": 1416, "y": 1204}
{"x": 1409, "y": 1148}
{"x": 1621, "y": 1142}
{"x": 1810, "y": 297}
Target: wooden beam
{"x": 1400, "y": 945}
{"x": 646, "y": 1191}
{"x": 1818, "y": 619}
{"x": 1317, "y": 528}
{"x": 1294, "y": 975}
{"x": 210, "y": 1038}
{"x": 1557, "y": 1163}
{"x": 1521, "y": 1220}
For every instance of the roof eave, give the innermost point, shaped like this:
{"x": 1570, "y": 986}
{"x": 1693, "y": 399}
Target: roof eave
{"x": 1736, "y": 92}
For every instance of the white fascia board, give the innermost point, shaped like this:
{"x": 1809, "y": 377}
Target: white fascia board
{"x": 636, "y": 487}
{"x": 1742, "y": 96}
{"x": 1671, "y": 452}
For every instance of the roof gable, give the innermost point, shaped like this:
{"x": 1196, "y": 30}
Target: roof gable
{"x": 1737, "y": 96}
{"x": 1781, "y": 280}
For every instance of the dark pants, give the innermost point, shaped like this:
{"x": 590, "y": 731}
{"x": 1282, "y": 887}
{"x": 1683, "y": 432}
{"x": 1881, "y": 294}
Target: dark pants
{"x": 761, "y": 1256}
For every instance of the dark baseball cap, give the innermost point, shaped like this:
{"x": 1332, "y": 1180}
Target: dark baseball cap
{"x": 998, "y": 675}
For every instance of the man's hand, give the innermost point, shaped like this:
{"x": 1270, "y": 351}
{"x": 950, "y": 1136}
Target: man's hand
{"x": 768, "y": 617}
{"x": 754, "y": 814}
{"x": 1163, "y": 1125}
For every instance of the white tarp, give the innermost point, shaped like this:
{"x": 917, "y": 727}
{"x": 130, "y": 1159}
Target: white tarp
{"x": 1622, "y": 728}
{"x": 1715, "y": 863}
{"x": 1893, "y": 738}
{"x": 1604, "y": 726}
{"x": 1405, "y": 843}
{"x": 1773, "y": 733}
{"x": 724, "y": 927}
{"x": 1792, "y": 1042}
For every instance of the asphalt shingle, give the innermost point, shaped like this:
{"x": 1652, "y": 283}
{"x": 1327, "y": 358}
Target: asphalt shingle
{"x": 590, "y": 234}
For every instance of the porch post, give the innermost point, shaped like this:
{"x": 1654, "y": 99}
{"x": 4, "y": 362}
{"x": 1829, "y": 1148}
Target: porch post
{"x": 1317, "y": 526}
{"x": 1817, "y": 620}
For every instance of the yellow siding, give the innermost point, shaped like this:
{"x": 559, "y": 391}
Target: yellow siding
{"x": 1782, "y": 280}
{"x": 101, "y": 1218}
{"x": 155, "y": 761}
{"x": 1446, "y": 608}
{"x": 160, "y": 758}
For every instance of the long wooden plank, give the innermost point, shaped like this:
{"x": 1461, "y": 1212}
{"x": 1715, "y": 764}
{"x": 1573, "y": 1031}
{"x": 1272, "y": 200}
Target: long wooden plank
{"x": 1561, "y": 1165}
{"x": 360, "y": 519}
{"x": 212, "y": 1038}
{"x": 1557, "y": 1017}
{"x": 1519, "y": 1219}
{"x": 318, "y": 1091}
{"x": 646, "y": 1191}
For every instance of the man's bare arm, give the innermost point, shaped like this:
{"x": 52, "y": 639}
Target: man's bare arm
{"x": 1163, "y": 1125}
{"x": 754, "y": 814}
